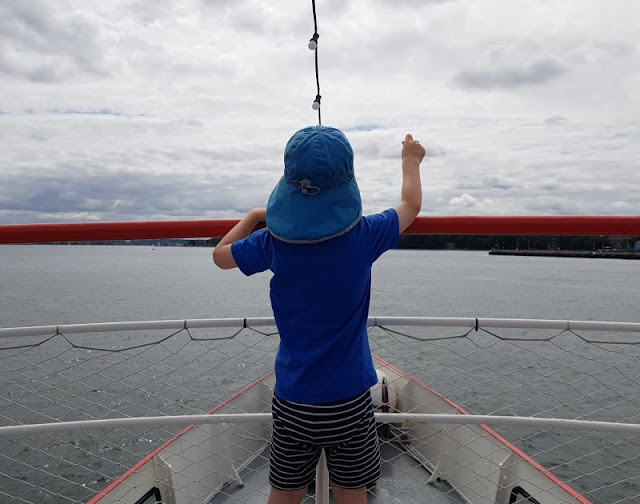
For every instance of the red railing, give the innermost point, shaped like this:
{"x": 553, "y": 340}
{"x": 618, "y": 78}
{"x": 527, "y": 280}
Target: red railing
{"x": 591, "y": 225}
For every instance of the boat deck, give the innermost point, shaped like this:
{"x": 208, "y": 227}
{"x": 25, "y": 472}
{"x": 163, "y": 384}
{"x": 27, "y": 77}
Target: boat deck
{"x": 402, "y": 481}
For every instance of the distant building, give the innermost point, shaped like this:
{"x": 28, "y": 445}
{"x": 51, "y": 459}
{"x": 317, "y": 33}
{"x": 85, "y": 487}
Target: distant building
{"x": 620, "y": 242}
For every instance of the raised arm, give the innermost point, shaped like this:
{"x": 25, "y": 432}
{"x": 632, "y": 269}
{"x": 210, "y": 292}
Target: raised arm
{"x": 411, "y": 195}
{"x": 222, "y": 256}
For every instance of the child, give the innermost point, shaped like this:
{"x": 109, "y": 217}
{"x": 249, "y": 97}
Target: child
{"x": 320, "y": 250}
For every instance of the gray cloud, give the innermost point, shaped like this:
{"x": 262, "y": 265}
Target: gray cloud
{"x": 167, "y": 109}
{"x": 416, "y": 3}
{"x": 164, "y": 176}
{"x": 505, "y": 77}
{"x": 556, "y": 119}
{"x": 119, "y": 195}
{"x": 149, "y": 12}
{"x": 497, "y": 183}
{"x": 40, "y": 44}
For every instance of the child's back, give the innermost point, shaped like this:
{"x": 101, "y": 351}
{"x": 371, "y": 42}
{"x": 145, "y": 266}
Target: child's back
{"x": 320, "y": 297}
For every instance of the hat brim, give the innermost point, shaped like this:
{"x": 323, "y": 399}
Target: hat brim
{"x": 308, "y": 218}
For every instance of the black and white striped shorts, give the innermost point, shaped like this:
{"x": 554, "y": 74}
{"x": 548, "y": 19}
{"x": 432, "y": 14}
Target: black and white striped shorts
{"x": 345, "y": 429}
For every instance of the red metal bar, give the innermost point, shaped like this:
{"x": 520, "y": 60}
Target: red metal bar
{"x": 108, "y": 231}
{"x": 568, "y": 225}
{"x": 591, "y": 225}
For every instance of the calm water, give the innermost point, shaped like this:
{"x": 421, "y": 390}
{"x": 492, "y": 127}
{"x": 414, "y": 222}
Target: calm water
{"x": 43, "y": 285}
{"x": 71, "y": 284}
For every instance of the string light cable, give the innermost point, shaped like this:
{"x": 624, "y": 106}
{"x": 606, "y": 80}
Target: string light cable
{"x": 313, "y": 46}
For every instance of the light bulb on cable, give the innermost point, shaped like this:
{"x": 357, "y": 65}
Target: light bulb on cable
{"x": 316, "y": 103}
{"x": 313, "y": 42}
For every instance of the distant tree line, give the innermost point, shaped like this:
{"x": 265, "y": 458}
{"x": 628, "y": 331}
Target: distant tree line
{"x": 446, "y": 242}
{"x": 471, "y": 242}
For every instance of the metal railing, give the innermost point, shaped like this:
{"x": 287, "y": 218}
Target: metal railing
{"x": 576, "y": 225}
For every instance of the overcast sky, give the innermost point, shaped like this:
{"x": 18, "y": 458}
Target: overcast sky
{"x": 180, "y": 109}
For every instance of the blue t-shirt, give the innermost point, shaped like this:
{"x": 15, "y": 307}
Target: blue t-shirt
{"x": 320, "y": 298}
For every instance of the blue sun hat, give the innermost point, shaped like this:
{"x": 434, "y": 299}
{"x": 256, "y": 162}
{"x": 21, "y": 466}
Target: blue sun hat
{"x": 317, "y": 198}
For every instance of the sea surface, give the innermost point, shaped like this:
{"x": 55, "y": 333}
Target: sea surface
{"x": 49, "y": 284}
{"x": 56, "y": 284}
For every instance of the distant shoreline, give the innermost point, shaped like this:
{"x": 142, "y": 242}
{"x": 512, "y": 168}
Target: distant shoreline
{"x": 595, "y": 254}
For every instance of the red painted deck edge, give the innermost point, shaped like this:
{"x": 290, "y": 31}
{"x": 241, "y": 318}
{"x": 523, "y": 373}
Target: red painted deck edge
{"x": 573, "y": 493}
{"x": 105, "y": 491}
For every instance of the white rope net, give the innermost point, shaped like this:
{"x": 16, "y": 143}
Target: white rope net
{"x": 68, "y": 374}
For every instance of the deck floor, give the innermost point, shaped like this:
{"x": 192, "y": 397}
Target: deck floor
{"x": 403, "y": 482}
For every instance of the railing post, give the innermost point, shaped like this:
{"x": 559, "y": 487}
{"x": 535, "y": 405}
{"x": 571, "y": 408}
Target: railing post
{"x": 322, "y": 481}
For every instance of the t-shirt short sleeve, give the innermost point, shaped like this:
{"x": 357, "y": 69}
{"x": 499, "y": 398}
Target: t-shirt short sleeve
{"x": 253, "y": 254}
{"x": 384, "y": 232}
